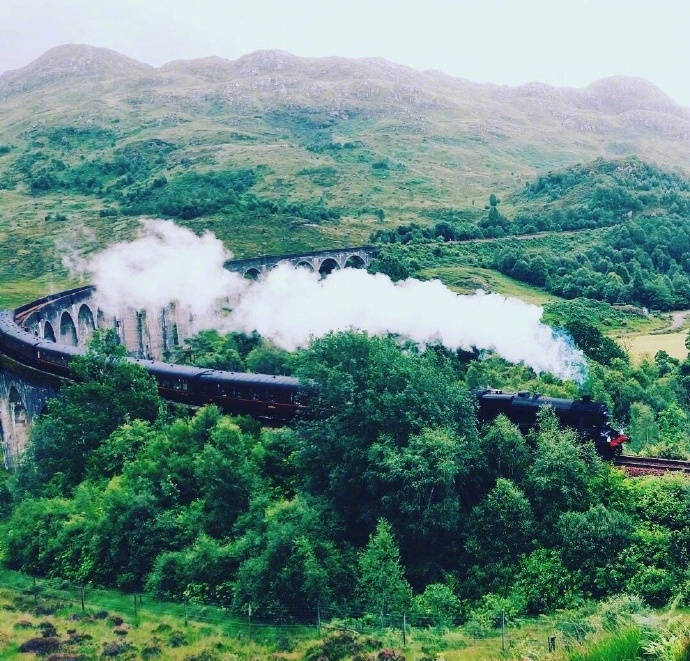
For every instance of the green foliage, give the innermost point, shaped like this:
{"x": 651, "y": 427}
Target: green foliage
{"x": 654, "y": 584}
{"x": 341, "y": 509}
{"x": 505, "y": 449}
{"x": 591, "y": 544}
{"x": 373, "y": 393}
{"x": 501, "y": 526}
{"x": 5, "y": 493}
{"x": 200, "y": 572}
{"x": 558, "y": 478}
{"x": 593, "y": 342}
{"x": 381, "y": 584}
{"x": 288, "y": 563}
{"x": 438, "y": 604}
{"x": 392, "y": 264}
{"x": 619, "y": 646}
{"x": 108, "y": 391}
{"x": 234, "y": 352}
{"x": 544, "y": 582}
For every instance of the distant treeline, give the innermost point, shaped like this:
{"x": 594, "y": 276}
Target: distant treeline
{"x": 642, "y": 258}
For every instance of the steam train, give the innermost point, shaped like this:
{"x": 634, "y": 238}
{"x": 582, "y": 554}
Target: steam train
{"x": 265, "y": 396}
{"x": 280, "y": 398}
{"x": 589, "y": 419}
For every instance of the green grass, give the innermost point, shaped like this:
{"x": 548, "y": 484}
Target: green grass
{"x": 16, "y": 292}
{"x": 644, "y": 345}
{"x": 589, "y": 634}
{"x": 625, "y": 645}
{"x": 467, "y": 279}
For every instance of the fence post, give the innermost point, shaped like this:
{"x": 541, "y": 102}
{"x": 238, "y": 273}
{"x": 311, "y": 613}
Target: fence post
{"x": 318, "y": 618}
{"x": 503, "y": 630}
{"x": 185, "y": 613}
{"x": 135, "y": 604}
{"x": 83, "y": 607}
{"x": 404, "y": 630}
{"x": 249, "y": 621}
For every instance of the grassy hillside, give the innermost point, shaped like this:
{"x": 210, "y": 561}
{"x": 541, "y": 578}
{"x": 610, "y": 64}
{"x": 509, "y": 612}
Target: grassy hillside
{"x": 275, "y": 152}
{"x": 47, "y": 617}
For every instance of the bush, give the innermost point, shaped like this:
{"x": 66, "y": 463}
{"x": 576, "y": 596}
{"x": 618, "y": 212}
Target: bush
{"x": 491, "y": 611}
{"x": 336, "y": 647}
{"x": 654, "y": 585}
{"x": 439, "y": 604}
{"x": 544, "y": 583}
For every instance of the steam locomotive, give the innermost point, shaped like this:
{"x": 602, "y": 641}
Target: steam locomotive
{"x": 280, "y": 398}
{"x": 589, "y": 419}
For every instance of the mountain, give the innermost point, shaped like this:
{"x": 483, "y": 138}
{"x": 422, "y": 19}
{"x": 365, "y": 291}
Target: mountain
{"x": 70, "y": 61}
{"x": 305, "y": 152}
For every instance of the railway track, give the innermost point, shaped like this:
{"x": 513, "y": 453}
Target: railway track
{"x": 651, "y": 465}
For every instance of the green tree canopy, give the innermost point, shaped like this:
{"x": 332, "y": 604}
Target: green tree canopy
{"x": 381, "y": 584}
{"x": 108, "y": 391}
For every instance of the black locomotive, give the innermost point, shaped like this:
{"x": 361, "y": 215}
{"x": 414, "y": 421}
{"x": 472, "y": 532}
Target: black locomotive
{"x": 589, "y": 419}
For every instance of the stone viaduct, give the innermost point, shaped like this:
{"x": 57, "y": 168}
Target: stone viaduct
{"x": 71, "y": 317}
{"x": 322, "y": 262}
{"x": 23, "y": 396}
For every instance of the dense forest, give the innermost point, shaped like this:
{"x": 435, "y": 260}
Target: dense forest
{"x": 342, "y": 508}
{"x": 637, "y": 251}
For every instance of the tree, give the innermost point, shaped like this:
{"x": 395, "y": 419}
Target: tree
{"x": 505, "y": 451}
{"x": 593, "y": 342}
{"x": 394, "y": 263}
{"x": 370, "y": 391}
{"x": 591, "y": 544}
{"x": 643, "y": 427}
{"x": 544, "y": 582}
{"x": 417, "y": 486}
{"x": 211, "y": 349}
{"x": 108, "y": 391}
{"x": 381, "y": 584}
{"x": 288, "y": 561}
{"x": 673, "y": 429}
{"x": 269, "y": 359}
{"x": 438, "y": 603}
{"x": 501, "y": 526}
{"x": 227, "y": 476}
{"x": 558, "y": 479}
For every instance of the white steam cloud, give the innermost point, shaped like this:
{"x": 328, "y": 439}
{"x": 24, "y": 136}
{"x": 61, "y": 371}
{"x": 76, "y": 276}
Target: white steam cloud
{"x": 290, "y": 305}
{"x": 164, "y": 263}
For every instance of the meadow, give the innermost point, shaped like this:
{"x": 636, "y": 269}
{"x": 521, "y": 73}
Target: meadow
{"x": 47, "y": 619}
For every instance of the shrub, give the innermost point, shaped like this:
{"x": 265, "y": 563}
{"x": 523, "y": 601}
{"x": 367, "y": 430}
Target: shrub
{"x": 439, "y": 604}
{"x": 41, "y": 646}
{"x": 654, "y": 585}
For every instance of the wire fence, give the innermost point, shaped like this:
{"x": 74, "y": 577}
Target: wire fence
{"x": 48, "y": 595}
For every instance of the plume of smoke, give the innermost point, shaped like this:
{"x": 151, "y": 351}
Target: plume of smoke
{"x": 164, "y": 263}
{"x": 292, "y": 305}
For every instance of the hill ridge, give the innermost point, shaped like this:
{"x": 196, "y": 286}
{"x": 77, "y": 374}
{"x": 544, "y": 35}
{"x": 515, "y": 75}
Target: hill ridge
{"x": 84, "y": 60}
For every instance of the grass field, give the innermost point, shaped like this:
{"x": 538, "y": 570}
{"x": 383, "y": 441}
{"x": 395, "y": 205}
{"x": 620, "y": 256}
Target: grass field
{"x": 467, "y": 279}
{"x": 48, "y": 618}
{"x": 647, "y": 344}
